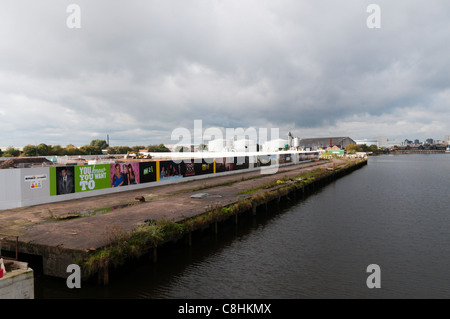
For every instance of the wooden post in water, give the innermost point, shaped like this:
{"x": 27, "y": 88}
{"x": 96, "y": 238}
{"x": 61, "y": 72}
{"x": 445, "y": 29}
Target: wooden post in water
{"x": 103, "y": 276}
{"x": 106, "y": 276}
{"x": 155, "y": 254}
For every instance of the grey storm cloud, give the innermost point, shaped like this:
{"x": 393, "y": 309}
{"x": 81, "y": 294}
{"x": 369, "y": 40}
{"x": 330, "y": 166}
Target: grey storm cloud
{"x": 137, "y": 70}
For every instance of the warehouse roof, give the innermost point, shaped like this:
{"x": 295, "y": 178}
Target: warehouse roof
{"x": 326, "y": 141}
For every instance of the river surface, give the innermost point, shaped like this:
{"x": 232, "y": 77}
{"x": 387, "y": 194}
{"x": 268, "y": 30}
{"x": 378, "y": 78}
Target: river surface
{"x": 394, "y": 212}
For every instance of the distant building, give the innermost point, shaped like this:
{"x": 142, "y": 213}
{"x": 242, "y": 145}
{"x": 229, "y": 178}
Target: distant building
{"x": 447, "y": 139}
{"x": 220, "y": 145}
{"x": 368, "y": 142}
{"x": 407, "y": 142}
{"x": 384, "y": 142}
{"x": 275, "y": 145}
{"x": 324, "y": 142}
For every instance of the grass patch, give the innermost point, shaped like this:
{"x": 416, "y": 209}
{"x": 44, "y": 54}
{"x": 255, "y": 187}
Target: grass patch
{"x": 303, "y": 178}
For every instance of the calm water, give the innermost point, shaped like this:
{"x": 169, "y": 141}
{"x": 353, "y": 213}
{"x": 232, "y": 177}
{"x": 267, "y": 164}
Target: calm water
{"x": 395, "y": 213}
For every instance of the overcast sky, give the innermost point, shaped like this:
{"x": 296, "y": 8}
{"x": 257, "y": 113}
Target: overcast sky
{"x": 136, "y": 70}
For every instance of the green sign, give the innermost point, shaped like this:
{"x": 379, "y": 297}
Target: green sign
{"x": 90, "y": 177}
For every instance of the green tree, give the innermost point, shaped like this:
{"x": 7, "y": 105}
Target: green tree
{"x": 72, "y": 150}
{"x": 364, "y": 148}
{"x": 373, "y": 148}
{"x": 111, "y": 150}
{"x": 58, "y": 150}
{"x": 136, "y": 148}
{"x": 352, "y": 148}
{"x": 118, "y": 149}
{"x": 181, "y": 149}
{"x": 157, "y": 148}
{"x": 11, "y": 152}
{"x": 90, "y": 150}
{"x": 29, "y": 150}
{"x": 99, "y": 144}
{"x": 43, "y": 149}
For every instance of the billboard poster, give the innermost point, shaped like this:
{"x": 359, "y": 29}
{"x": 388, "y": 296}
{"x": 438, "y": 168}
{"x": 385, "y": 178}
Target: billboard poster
{"x": 240, "y": 162}
{"x": 285, "y": 158}
{"x": 266, "y": 160}
{"x": 91, "y": 177}
{"x": 205, "y": 167}
{"x": 123, "y": 174}
{"x": 35, "y": 181}
{"x": 77, "y": 179}
{"x": 170, "y": 170}
{"x": 304, "y": 157}
{"x": 62, "y": 180}
{"x": 189, "y": 169}
{"x": 147, "y": 172}
{"x": 224, "y": 164}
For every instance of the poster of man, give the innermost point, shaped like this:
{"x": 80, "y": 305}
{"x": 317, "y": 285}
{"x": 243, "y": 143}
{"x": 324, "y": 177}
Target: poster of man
{"x": 65, "y": 180}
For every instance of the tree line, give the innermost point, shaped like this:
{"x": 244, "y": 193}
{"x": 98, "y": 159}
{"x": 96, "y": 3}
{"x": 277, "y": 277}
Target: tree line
{"x": 96, "y": 147}
{"x": 353, "y": 148}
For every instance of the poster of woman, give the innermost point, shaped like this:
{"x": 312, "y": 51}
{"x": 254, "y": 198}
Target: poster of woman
{"x": 123, "y": 174}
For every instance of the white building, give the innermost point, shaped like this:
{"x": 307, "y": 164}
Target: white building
{"x": 368, "y": 142}
{"x": 220, "y": 145}
{"x": 245, "y": 145}
{"x": 275, "y": 145}
{"x": 384, "y": 142}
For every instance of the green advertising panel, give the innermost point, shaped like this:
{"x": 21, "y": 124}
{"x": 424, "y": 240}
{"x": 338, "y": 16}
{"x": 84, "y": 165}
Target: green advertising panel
{"x": 91, "y": 177}
{"x": 52, "y": 178}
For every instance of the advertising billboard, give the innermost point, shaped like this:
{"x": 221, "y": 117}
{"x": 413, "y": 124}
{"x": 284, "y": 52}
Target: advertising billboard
{"x": 77, "y": 179}
{"x": 147, "y": 172}
{"x": 170, "y": 170}
{"x": 123, "y": 174}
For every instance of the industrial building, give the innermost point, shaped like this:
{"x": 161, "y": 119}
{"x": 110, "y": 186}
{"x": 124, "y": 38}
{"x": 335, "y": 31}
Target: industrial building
{"x": 246, "y": 145}
{"x": 324, "y": 142}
